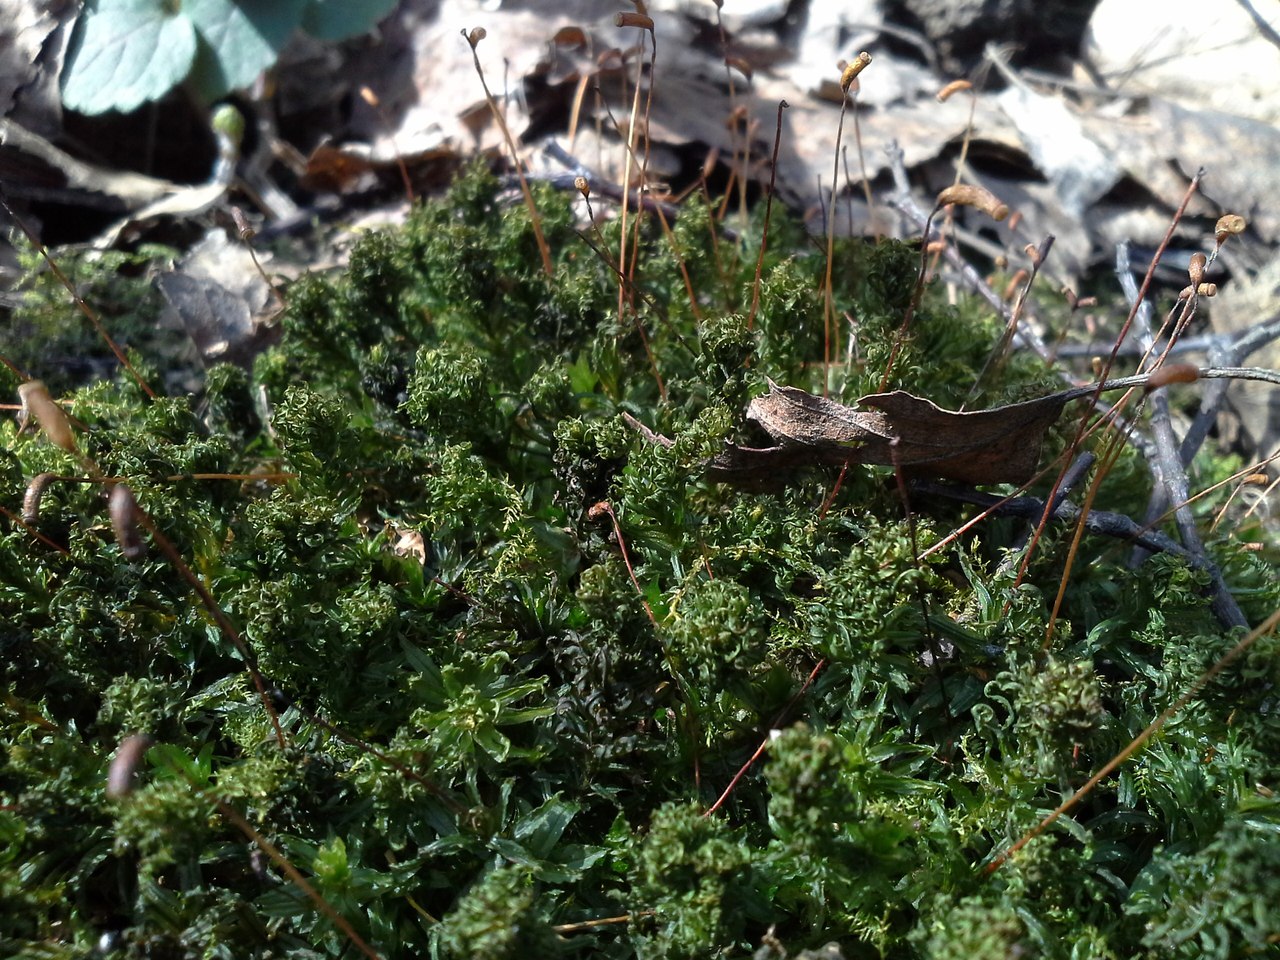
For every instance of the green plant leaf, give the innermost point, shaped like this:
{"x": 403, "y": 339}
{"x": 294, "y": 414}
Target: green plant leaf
{"x": 124, "y": 53}
{"x": 238, "y": 40}
{"x": 339, "y": 19}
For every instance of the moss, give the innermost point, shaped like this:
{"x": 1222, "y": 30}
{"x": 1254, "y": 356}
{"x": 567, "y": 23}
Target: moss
{"x": 503, "y": 713}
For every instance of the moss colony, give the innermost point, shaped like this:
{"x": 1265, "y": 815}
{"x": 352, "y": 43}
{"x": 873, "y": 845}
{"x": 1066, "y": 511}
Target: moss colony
{"x": 492, "y": 736}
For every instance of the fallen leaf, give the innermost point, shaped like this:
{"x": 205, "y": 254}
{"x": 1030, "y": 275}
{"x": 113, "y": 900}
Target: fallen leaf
{"x": 998, "y": 445}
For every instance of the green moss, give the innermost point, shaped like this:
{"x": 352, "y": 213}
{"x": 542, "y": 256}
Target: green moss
{"x": 537, "y": 706}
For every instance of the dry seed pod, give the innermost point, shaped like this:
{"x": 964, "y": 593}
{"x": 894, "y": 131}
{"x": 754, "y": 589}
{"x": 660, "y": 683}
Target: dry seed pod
{"x": 954, "y": 87}
{"x": 243, "y": 227}
{"x": 1207, "y": 289}
{"x": 475, "y": 36}
{"x": 124, "y": 521}
{"x": 583, "y": 187}
{"x": 35, "y": 493}
{"x": 1173, "y": 373}
{"x": 858, "y": 64}
{"x": 1195, "y": 268}
{"x": 1228, "y": 225}
{"x": 37, "y": 402}
{"x": 971, "y": 195}
{"x": 124, "y": 765}
{"x": 633, "y": 20}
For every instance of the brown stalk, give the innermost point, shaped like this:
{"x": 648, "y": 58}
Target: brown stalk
{"x": 223, "y": 622}
{"x": 1106, "y": 369}
{"x": 473, "y": 38}
{"x": 847, "y": 77}
{"x": 764, "y": 744}
{"x": 768, "y": 210}
{"x": 231, "y": 815}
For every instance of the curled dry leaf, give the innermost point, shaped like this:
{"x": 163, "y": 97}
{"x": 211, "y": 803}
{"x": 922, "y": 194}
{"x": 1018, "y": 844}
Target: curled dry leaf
{"x": 998, "y": 445}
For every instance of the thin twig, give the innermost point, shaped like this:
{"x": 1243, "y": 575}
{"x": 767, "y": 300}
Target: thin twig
{"x": 1172, "y": 484}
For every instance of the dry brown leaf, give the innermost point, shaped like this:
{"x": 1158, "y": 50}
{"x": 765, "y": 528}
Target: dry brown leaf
{"x": 998, "y": 445}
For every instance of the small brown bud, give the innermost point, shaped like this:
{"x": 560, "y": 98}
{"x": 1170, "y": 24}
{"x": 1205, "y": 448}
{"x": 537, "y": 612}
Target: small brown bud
{"x": 124, "y": 765}
{"x": 709, "y": 162}
{"x": 369, "y": 97}
{"x": 638, "y": 20}
{"x": 1195, "y": 269}
{"x": 37, "y": 403}
{"x": 1173, "y": 373}
{"x": 1015, "y": 218}
{"x": 1228, "y": 225}
{"x": 124, "y": 522}
{"x": 583, "y": 187}
{"x": 475, "y": 36}
{"x": 35, "y": 493}
{"x": 1207, "y": 289}
{"x": 855, "y": 67}
{"x": 1098, "y": 366}
{"x": 971, "y": 195}
{"x": 954, "y": 87}
{"x": 1070, "y": 296}
{"x": 243, "y": 227}
{"x": 935, "y": 246}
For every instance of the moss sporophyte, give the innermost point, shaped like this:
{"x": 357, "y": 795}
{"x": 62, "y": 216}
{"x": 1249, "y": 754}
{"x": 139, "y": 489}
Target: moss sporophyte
{"x": 446, "y": 637}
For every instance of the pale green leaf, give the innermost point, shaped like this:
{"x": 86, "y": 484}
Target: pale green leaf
{"x": 124, "y": 53}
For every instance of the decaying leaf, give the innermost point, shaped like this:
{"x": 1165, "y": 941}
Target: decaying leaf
{"x": 998, "y": 445}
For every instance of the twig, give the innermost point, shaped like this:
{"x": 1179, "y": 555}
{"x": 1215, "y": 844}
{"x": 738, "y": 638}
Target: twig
{"x": 1070, "y": 477}
{"x": 1172, "y": 484}
{"x": 1233, "y": 352}
{"x": 1101, "y": 522}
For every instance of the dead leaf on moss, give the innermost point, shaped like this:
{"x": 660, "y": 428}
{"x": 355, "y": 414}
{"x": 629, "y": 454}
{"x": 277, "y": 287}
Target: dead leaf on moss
{"x": 999, "y": 445}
